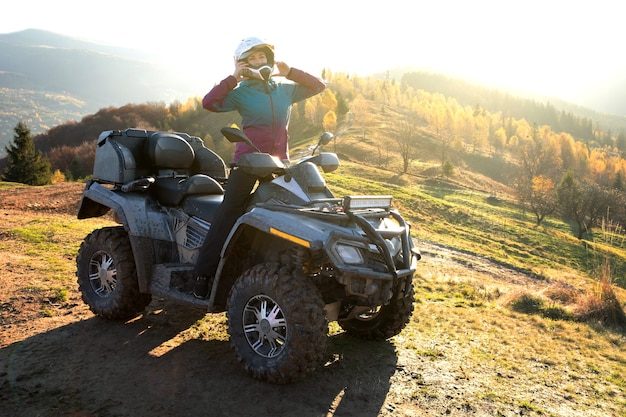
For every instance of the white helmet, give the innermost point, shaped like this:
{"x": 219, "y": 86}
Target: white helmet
{"x": 247, "y": 46}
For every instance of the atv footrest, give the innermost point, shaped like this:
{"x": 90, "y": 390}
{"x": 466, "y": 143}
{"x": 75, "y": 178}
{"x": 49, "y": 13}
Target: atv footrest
{"x": 175, "y": 281}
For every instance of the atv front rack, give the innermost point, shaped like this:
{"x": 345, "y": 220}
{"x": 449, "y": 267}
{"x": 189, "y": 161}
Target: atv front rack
{"x": 358, "y": 209}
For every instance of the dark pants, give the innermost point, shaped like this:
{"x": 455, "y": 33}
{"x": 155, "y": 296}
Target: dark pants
{"x": 233, "y": 206}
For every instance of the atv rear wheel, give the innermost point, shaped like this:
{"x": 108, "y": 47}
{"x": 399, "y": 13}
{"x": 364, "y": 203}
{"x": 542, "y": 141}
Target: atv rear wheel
{"x": 384, "y": 322}
{"x": 276, "y": 324}
{"x": 107, "y": 277}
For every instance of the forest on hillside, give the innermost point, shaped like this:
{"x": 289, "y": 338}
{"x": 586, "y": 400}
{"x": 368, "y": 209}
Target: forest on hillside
{"x": 560, "y": 163}
{"x": 584, "y": 124}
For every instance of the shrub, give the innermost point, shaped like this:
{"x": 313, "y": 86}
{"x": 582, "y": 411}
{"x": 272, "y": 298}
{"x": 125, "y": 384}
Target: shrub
{"x": 526, "y": 303}
{"x": 602, "y": 306}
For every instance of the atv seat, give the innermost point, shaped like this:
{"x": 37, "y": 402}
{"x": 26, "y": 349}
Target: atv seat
{"x": 170, "y": 191}
{"x": 172, "y": 158}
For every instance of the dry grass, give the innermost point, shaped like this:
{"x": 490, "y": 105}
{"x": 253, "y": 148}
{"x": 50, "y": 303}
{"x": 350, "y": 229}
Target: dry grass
{"x": 485, "y": 339}
{"x": 513, "y": 347}
{"x": 602, "y": 304}
{"x": 562, "y": 301}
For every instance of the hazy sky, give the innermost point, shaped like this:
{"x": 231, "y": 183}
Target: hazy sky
{"x": 551, "y": 47}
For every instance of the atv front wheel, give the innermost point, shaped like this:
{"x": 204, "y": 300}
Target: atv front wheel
{"x": 381, "y": 323}
{"x": 107, "y": 277}
{"x": 276, "y": 324}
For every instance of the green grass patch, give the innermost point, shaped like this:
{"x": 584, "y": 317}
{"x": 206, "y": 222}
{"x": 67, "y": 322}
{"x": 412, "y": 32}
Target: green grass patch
{"x": 47, "y": 247}
{"x": 7, "y": 185}
{"x": 54, "y": 237}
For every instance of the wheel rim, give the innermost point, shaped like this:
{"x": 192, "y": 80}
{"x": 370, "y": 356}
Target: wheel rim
{"x": 102, "y": 274}
{"x": 265, "y": 326}
{"x": 369, "y": 315}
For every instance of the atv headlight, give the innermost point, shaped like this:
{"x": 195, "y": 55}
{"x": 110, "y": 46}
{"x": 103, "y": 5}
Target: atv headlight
{"x": 349, "y": 254}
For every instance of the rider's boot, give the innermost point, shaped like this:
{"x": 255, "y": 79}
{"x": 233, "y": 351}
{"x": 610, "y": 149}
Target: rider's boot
{"x": 201, "y": 287}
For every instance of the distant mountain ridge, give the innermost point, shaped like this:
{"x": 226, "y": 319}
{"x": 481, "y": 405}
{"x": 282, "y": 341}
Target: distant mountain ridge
{"x": 37, "y": 37}
{"x": 47, "y": 79}
{"x": 102, "y": 75}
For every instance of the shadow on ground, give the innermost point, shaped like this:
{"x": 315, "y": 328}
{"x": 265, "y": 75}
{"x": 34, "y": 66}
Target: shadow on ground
{"x": 100, "y": 368}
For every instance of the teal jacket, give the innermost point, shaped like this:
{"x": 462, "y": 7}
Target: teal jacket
{"x": 265, "y": 108}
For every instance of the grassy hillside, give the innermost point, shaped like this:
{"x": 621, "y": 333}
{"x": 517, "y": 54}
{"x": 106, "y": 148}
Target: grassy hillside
{"x": 490, "y": 338}
{"x": 488, "y": 225}
{"x": 473, "y": 209}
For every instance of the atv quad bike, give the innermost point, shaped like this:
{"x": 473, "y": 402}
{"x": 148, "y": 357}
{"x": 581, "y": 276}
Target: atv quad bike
{"x": 297, "y": 259}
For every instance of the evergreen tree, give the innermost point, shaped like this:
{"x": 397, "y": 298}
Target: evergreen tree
{"x": 620, "y": 142}
{"x": 26, "y": 165}
{"x": 342, "y": 105}
{"x": 570, "y": 197}
{"x": 618, "y": 184}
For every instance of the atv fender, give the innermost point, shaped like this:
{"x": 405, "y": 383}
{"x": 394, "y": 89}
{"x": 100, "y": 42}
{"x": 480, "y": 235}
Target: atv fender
{"x": 289, "y": 226}
{"x": 142, "y": 219}
{"x": 139, "y": 215}
{"x": 303, "y": 229}
{"x": 97, "y": 200}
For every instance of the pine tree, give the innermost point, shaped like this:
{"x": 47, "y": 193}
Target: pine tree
{"x": 26, "y": 165}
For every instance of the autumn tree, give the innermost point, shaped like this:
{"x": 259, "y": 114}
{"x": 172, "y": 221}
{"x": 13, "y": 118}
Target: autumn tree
{"x": 497, "y": 139}
{"x": 539, "y": 160}
{"x": 25, "y": 164}
{"x": 328, "y": 100}
{"x": 480, "y": 134}
{"x": 318, "y": 106}
{"x": 585, "y": 202}
{"x": 440, "y": 120}
{"x": 73, "y": 161}
{"x": 542, "y": 199}
{"x": 329, "y": 122}
{"x": 620, "y": 143}
{"x": 406, "y": 141}
{"x": 362, "y": 115}
{"x": 599, "y": 200}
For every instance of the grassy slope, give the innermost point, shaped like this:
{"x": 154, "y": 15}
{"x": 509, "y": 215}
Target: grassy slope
{"x": 501, "y": 334}
{"x": 495, "y": 227}
{"x": 474, "y": 210}
{"x": 465, "y": 351}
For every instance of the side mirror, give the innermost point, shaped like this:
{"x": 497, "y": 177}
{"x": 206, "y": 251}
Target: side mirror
{"x": 326, "y": 138}
{"x": 323, "y": 140}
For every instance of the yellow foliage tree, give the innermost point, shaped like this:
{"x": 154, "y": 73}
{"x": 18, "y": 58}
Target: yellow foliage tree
{"x": 328, "y": 100}
{"x": 329, "y": 122}
{"x": 57, "y": 177}
{"x": 542, "y": 199}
